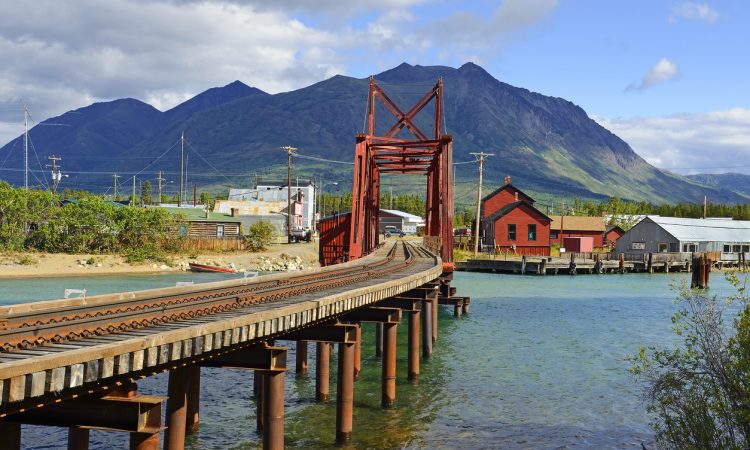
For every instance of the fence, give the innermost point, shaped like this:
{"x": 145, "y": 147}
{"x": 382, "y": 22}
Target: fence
{"x": 432, "y": 243}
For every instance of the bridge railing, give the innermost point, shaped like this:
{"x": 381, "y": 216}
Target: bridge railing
{"x": 432, "y": 243}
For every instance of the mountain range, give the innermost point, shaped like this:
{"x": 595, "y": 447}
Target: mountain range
{"x": 548, "y": 145}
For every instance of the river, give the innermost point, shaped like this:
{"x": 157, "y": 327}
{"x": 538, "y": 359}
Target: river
{"x": 538, "y": 363}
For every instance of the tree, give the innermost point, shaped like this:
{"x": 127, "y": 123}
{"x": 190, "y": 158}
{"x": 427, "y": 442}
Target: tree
{"x": 699, "y": 391}
{"x": 259, "y": 235}
{"x": 146, "y": 193}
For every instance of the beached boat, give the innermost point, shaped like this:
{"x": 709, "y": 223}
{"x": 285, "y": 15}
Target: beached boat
{"x": 195, "y": 267}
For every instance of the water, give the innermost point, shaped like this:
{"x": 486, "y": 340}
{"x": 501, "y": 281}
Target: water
{"x": 539, "y": 363}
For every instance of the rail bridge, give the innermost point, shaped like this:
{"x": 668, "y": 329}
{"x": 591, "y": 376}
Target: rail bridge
{"x": 74, "y": 362}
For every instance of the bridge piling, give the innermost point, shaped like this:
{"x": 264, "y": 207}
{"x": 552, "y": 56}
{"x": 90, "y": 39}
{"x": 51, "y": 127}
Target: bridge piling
{"x": 389, "y": 365}
{"x": 273, "y": 409}
{"x": 378, "y": 339}
{"x": 78, "y": 438}
{"x": 259, "y": 375}
{"x": 301, "y": 359}
{"x": 345, "y": 392}
{"x": 358, "y": 352}
{"x": 322, "y": 371}
{"x": 427, "y": 328}
{"x": 193, "y": 399}
{"x": 11, "y": 436}
{"x": 176, "y": 416}
{"x": 413, "y": 345}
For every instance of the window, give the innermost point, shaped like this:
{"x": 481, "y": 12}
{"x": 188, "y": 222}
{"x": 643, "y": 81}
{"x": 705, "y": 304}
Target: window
{"x": 532, "y": 232}
{"x": 183, "y": 231}
{"x": 511, "y": 231}
{"x": 553, "y": 234}
{"x": 663, "y": 247}
{"x": 727, "y": 249}
{"x": 219, "y": 231}
{"x": 745, "y": 248}
{"x": 736, "y": 248}
{"x": 689, "y": 248}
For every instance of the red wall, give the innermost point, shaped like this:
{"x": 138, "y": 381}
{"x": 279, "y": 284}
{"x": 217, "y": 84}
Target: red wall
{"x": 522, "y": 217}
{"x": 597, "y": 235}
{"x": 502, "y": 198}
{"x": 613, "y": 236}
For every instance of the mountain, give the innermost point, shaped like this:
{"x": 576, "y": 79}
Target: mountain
{"x": 549, "y": 145}
{"x": 736, "y": 182}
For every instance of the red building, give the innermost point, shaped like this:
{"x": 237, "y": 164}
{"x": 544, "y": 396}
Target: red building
{"x": 577, "y": 226}
{"x": 510, "y": 222}
{"x": 612, "y": 234}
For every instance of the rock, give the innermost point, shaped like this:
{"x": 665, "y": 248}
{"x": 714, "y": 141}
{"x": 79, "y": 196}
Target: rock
{"x": 98, "y": 264}
{"x": 164, "y": 267}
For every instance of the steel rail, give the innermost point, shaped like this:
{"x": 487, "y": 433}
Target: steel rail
{"x": 87, "y": 321}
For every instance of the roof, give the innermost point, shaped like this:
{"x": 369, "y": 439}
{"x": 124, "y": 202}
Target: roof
{"x": 199, "y": 215}
{"x": 613, "y": 228}
{"x": 502, "y": 188}
{"x": 703, "y": 230}
{"x": 405, "y": 215}
{"x": 578, "y": 223}
{"x": 296, "y": 182}
{"x": 492, "y": 218}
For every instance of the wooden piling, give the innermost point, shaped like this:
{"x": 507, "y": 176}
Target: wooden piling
{"x": 542, "y": 267}
{"x": 650, "y": 266}
{"x": 345, "y": 393}
{"x": 523, "y": 265}
{"x": 322, "y": 371}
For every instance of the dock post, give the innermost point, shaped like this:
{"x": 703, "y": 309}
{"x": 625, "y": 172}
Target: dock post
{"x": 650, "y": 266}
{"x": 193, "y": 399}
{"x": 300, "y": 366}
{"x": 542, "y": 267}
{"x": 621, "y": 264}
{"x": 389, "y": 365}
{"x": 322, "y": 371}
{"x": 378, "y": 339}
{"x": 358, "y": 352}
{"x": 176, "y": 409}
{"x": 273, "y": 410}
{"x": 413, "y": 345}
{"x": 426, "y": 328}
{"x": 78, "y": 438}
{"x": 523, "y": 265}
{"x": 345, "y": 392}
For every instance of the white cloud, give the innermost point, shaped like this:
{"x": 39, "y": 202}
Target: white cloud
{"x": 694, "y": 11}
{"x": 663, "y": 70}
{"x": 713, "y": 142}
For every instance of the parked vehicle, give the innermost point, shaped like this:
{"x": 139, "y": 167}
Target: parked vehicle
{"x": 300, "y": 234}
{"x": 462, "y": 232}
{"x": 391, "y": 230}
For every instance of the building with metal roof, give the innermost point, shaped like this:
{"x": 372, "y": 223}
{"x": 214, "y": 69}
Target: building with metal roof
{"x": 657, "y": 234}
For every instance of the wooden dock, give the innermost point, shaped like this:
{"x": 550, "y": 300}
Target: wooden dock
{"x": 560, "y": 266}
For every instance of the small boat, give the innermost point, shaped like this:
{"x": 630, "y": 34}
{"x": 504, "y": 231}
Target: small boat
{"x": 195, "y": 267}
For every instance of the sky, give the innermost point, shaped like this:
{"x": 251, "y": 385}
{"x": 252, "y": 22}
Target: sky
{"x": 672, "y": 78}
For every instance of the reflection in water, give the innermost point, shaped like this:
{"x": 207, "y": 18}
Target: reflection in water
{"x": 539, "y": 363}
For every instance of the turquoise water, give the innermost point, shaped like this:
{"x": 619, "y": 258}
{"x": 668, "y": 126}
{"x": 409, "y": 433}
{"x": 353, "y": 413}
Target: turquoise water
{"x": 539, "y": 363}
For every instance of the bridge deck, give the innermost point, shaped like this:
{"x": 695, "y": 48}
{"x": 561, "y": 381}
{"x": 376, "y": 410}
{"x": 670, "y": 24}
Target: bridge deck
{"x": 64, "y": 348}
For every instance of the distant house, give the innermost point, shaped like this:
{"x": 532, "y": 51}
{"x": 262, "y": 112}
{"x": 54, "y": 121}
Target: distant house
{"x": 510, "y": 222}
{"x": 657, "y": 234}
{"x": 408, "y": 223}
{"x": 611, "y": 235}
{"x": 212, "y": 231}
{"x": 577, "y": 226}
{"x": 272, "y": 191}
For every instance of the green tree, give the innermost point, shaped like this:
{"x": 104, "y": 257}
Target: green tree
{"x": 146, "y": 193}
{"x": 699, "y": 391}
{"x": 259, "y": 235}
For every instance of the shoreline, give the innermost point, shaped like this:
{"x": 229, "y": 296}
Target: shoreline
{"x": 31, "y": 265}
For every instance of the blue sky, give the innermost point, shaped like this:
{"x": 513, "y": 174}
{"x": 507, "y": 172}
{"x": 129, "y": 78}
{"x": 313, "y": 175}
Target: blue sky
{"x": 669, "y": 77}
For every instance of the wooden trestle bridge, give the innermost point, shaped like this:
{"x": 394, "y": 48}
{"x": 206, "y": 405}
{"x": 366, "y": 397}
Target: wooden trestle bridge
{"x": 73, "y": 363}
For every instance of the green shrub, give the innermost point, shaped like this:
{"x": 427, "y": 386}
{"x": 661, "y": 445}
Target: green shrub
{"x": 26, "y": 260}
{"x": 259, "y": 236}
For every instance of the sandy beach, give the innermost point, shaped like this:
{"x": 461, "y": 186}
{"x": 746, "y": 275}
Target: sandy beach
{"x": 33, "y": 264}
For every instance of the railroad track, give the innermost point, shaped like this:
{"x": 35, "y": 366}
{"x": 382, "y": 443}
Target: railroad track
{"x": 24, "y": 331}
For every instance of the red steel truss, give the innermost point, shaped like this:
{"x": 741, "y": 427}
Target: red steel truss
{"x": 427, "y": 155}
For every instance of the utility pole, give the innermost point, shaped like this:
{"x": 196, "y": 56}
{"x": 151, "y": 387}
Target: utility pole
{"x": 182, "y": 166}
{"x": 25, "y": 165}
{"x": 480, "y": 158}
{"x": 705, "y": 206}
{"x": 289, "y": 151}
{"x": 390, "y": 206}
{"x": 56, "y": 175}
{"x": 115, "y": 177}
{"x": 159, "y": 179}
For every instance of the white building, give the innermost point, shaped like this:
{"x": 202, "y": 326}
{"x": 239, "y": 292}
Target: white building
{"x": 276, "y": 191}
{"x": 404, "y": 221}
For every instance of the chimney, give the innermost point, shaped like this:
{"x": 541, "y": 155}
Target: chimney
{"x": 507, "y": 179}
{"x": 234, "y": 212}
{"x": 516, "y": 195}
